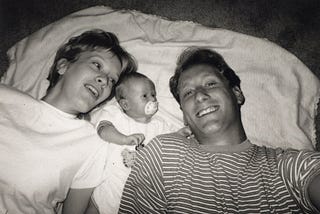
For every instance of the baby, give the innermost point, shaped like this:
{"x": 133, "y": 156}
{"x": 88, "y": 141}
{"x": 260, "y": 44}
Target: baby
{"x": 126, "y": 125}
{"x": 136, "y": 96}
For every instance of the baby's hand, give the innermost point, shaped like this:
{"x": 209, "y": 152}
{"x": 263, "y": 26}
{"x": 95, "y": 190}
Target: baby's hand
{"x": 135, "y": 139}
{"x": 185, "y": 131}
{"x": 128, "y": 157}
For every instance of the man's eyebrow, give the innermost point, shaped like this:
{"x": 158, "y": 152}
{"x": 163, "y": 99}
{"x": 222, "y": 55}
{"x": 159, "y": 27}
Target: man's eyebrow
{"x": 184, "y": 85}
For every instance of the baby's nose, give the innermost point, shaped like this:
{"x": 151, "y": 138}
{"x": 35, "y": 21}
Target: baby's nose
{"x": 153, "y": 98}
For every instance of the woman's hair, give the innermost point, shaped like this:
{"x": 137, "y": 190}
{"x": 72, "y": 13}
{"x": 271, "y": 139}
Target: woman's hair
{"x": 119, "y": 88}
{"x": 90, "y": 41}
{"x": 195, "y": 56}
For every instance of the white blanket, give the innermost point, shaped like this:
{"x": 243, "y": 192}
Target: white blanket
{"x": 281, "y": 93}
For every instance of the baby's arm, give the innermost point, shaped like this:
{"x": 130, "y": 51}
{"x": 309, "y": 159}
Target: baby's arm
{"x": 108, "y": 132}
{"x": 77, "y": 201}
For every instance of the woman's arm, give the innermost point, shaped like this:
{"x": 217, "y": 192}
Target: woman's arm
{"x": 92, "y": 209}
{"x": 77, "y": 201}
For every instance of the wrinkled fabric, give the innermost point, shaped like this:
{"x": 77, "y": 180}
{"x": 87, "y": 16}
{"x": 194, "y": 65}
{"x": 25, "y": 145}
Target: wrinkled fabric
{"x": 281, "y": 92}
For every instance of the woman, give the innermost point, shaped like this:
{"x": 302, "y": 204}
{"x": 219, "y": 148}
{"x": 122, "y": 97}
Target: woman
{"x": 44, "y": 142}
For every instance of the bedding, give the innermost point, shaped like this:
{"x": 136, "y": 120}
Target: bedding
{"x": 281, "y": 92}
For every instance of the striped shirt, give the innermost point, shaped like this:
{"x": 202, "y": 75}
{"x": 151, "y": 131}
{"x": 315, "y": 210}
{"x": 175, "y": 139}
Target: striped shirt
{"x": 175, "y": 175}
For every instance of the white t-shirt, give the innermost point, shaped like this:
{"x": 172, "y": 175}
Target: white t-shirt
{"x": 107, "y": 171}
{"x": 41, "y": 149}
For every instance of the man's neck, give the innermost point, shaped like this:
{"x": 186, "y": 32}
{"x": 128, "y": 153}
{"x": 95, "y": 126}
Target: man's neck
{"x": 232, "y": 137}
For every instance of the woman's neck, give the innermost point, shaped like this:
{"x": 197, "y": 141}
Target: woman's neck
{"x": 55, "y": 100}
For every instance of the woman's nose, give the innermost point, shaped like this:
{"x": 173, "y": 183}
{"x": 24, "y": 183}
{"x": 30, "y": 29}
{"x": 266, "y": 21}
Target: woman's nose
{"x": 102, "y": 81}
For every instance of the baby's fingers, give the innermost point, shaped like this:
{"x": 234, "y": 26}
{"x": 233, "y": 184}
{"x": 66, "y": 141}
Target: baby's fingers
{"x": 136, "y": 139}
{"x": 140, "y": 138}
{"x": 139, "y": 146}
{"x": 186, "y": 132}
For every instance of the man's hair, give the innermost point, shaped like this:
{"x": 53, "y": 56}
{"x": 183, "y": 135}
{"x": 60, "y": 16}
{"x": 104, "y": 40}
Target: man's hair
{"x": 90, "y": 41}
{"x": 124, "y": 79}
{"x": 196, "y": 56}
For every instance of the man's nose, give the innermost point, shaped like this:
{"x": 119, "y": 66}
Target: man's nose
{"x": 201, "y": 94}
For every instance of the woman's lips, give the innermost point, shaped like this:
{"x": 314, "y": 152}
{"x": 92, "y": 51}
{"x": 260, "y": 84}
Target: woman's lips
{"x": 92, "y": 90}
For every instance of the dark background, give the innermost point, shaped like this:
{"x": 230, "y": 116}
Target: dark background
{"x": 292, "y": 24}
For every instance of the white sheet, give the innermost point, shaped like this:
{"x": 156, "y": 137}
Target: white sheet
{"x": 281, "y": 93}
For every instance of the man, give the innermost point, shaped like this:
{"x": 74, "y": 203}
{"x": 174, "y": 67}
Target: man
{"x": 219, "y": 169}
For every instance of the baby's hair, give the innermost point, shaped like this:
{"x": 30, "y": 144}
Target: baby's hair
{"x": 124, "y": 79}
{"x": 196, "y": 56}
{"x": 90, "y": 41}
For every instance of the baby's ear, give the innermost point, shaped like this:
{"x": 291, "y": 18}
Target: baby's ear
{"x": 124, "y": 104}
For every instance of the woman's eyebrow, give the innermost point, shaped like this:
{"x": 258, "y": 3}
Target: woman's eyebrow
{"x": 96, "y": 57}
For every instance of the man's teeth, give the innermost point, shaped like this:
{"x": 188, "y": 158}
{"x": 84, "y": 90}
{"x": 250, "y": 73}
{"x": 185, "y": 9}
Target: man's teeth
{"x": 92, "y": 90}
{"x": 207, "y": 111}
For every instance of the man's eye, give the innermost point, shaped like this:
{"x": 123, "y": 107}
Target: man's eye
{"x": 144, "y": 96}
{"x": 188, "y": 93}
{"x": 210, "y": 84}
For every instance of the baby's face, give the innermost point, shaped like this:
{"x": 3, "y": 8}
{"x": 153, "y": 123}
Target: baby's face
{"x": 139, "y": 93}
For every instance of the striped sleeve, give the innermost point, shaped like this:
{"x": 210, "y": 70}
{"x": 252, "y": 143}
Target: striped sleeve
{"x": 144, "y": 189}
{"x": 297, "y": 169}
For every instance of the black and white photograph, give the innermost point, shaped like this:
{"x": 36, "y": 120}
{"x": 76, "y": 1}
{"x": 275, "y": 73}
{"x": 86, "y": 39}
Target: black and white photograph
{"x": 159, "y": 106}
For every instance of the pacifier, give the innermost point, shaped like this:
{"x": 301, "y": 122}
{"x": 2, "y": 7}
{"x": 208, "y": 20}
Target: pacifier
{"x": 151, "y": 107}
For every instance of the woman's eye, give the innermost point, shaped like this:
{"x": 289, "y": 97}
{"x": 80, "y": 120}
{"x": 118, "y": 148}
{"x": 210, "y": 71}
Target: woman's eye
{"x": 113, "y": 82}
{"x": 97, "y": 65}
{"x": 144, "y": 96}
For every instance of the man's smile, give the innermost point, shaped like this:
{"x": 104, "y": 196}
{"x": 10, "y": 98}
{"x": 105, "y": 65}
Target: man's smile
{"x": 208, "y": 110}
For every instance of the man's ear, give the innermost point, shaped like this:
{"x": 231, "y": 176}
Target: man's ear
{"x": 124, "y": 104}
{"x": 62, "y": 66}
{"x": 185, "y": 121}
{"x": 239, "y": 95}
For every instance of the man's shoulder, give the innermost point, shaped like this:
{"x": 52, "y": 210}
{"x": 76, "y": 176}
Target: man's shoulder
{"x": 173, "y": 136}
{"x": 297, "y": 154}
{"x": 172, "y": 140}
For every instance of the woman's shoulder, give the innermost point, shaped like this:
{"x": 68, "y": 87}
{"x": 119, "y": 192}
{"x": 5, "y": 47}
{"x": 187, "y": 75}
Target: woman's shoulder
{"x": 10, "y": 94}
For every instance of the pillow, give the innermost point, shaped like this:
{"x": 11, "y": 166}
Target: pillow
{"x": 281, "y": 92}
